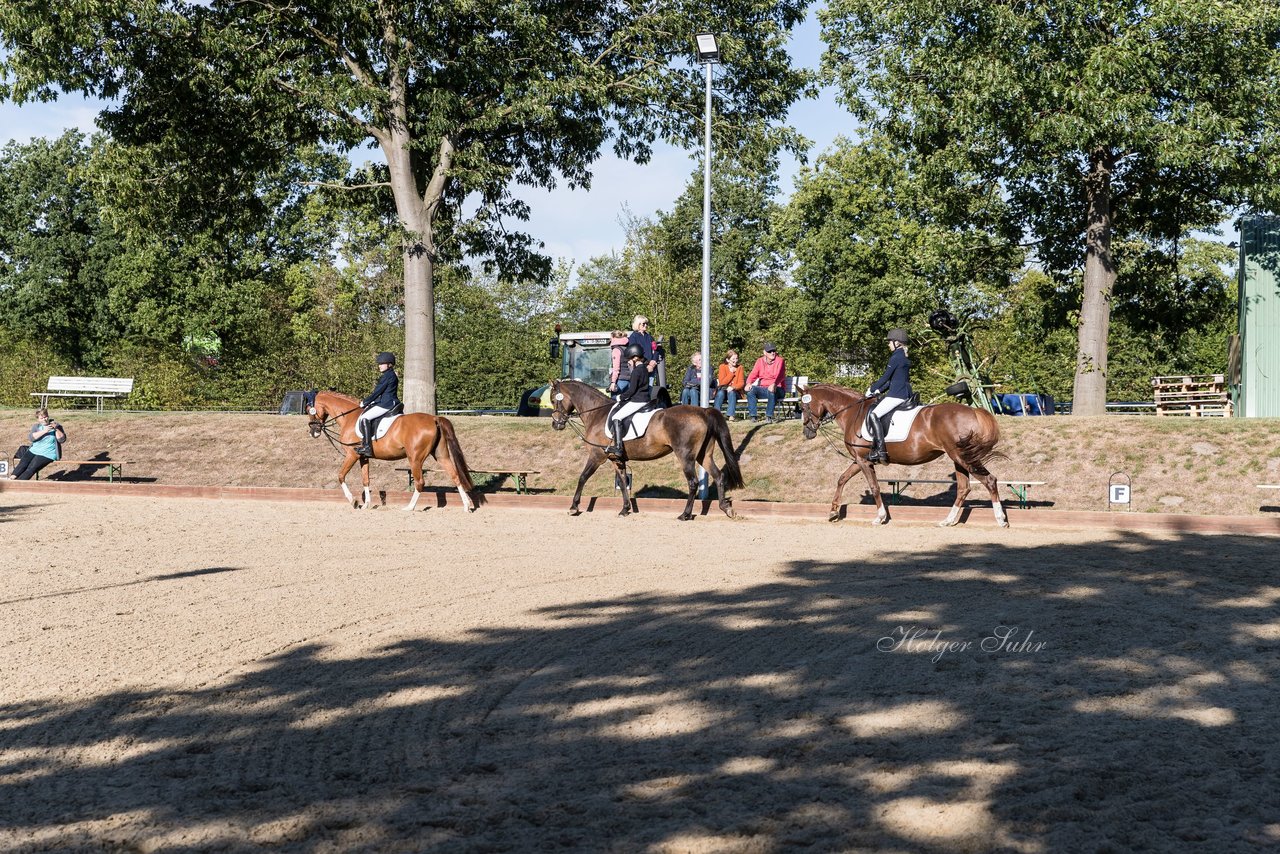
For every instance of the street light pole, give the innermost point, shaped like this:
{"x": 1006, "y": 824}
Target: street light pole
{"x": 708, "y": 53}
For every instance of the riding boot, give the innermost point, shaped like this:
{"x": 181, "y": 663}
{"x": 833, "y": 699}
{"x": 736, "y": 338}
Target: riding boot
{"x": 615, "y": 450}
{"x": 876, "y": 428}
{"x": 366, "y": 442}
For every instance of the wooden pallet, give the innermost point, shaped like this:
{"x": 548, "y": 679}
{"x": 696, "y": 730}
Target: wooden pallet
{"x": 1192, "y": 395}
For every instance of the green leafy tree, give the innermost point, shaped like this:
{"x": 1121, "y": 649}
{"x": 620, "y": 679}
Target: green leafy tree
{"x": 464, "y": 100}
{"x": 1096, "y": 117}
{"x": 55, "y": 250}
{"x": 880, "y": 241}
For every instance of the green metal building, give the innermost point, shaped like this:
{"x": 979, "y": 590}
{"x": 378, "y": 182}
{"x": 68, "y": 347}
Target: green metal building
{"x": 1256, "y": 390}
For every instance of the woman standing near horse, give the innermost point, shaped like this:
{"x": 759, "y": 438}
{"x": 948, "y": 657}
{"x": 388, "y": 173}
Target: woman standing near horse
{"x": 895, "y": 384}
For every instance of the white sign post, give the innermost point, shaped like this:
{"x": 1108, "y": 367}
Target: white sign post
{"x": 1119, "y": 492}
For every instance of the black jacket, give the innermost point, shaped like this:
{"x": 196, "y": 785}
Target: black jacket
{"x": 638, "y": 390}
{"x": 387, "y": 392}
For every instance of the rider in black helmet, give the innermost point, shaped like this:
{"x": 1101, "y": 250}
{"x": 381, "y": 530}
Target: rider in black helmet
{"x": 633, "y": 399}
{"x": 384, "y": 397}
{"x": 895, "y": 384}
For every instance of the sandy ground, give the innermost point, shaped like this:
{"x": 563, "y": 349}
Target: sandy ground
{"x": 188, "y": 675}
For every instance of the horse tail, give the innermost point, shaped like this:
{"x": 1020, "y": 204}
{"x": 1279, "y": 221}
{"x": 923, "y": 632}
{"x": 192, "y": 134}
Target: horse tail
{"x": 453, "y": 451}
{"x": 720, "y": 430}
{"x": 977, "y": 447}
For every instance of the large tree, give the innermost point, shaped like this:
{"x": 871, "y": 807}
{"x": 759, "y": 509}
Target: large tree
{"x": 464, "y": 99}
{"x": 1097, "y": 118}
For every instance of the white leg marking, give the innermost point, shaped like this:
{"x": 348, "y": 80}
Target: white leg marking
{"x": 952, "y": 518}
{"x": 366, "y": 498}
{"x": 413, "y": 502}
{"x": 1002, "y": 518}
{"x": 347, "y": 492}
{"x": 466, "y": 501}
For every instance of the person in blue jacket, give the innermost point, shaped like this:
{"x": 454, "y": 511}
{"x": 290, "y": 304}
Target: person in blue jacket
{"x": 46, "y": 438}
{"x": 895, "y": 385}
{"x": 383, "y": 399}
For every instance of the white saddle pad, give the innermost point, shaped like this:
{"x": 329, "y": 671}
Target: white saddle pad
{"x": 639, "y": 423}
{"x": 899, "y": 428}
{"x": 383, "y": 426}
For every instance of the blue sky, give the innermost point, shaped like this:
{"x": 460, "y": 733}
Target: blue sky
{"x": 578, "y": 224}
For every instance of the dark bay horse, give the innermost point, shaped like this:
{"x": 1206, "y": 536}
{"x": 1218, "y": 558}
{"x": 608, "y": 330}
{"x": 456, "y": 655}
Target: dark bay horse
{"x": 965, "y": 434}
{"x": 690, "y": 432}
{"x": 414, "y": 435}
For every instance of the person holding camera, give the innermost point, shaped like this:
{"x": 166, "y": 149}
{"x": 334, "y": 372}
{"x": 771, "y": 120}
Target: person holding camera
{"x": 46, "y": 437}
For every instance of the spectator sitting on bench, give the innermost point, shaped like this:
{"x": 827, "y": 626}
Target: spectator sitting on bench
{"x": 767, "y": 379}
{"x": 46, "y": 437}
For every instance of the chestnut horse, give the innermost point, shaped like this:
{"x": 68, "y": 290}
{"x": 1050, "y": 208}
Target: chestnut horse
{"x": 414, "y": 435}
{"x": 689, "y": 432}
{"x": 965, "y": 434}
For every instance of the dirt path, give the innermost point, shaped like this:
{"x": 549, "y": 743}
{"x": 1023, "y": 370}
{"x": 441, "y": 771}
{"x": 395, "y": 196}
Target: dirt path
{"x": 189, "y": 675}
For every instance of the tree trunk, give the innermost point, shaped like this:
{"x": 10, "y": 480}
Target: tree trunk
{"x": 417, "y": 215}
{"x": 1089, "y": 396}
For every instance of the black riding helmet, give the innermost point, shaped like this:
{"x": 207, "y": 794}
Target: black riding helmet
{"x": 899, "y": 335}
{"x": 386, "y": 359}
{"x": 633, "y": 350}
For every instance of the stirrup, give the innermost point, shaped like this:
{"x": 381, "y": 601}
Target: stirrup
{"x": 613, "y": 451}
{"x": 878, "y": 455}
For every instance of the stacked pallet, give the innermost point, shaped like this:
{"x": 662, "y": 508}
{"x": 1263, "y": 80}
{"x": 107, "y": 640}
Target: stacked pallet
{"x": 1196, "y": 396}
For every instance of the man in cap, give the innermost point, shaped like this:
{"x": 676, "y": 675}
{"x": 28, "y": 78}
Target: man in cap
{"x": 767, "y": 379}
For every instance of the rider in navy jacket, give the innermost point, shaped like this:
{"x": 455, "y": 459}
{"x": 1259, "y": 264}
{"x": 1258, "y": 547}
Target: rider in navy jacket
{"x": 385, "y": 397}
{"x": 895, "y": 384}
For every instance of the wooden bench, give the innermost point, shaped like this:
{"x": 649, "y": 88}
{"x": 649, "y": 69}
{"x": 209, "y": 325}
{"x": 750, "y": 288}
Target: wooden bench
{"x": 95, "y": 387}
{"x": 1020, "y": 488}
{"x": 115, "y": 468}
{"x": 520, "y": 476}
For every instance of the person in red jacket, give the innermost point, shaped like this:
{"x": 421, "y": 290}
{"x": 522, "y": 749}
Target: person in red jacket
{"x": 767, "y": 379}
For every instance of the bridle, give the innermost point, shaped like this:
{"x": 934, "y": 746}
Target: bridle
{"x": 560, "y": 420}
{"x": 826, "y": 427}
{"x": 322, "y": 426}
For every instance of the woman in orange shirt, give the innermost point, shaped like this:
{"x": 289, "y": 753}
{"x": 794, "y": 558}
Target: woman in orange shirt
{"x": 729, "y": 382}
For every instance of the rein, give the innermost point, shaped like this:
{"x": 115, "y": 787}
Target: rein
{"x": 333, "y": 436}
{"x": 575, "y": 421}
{"x": 827, "y": 428}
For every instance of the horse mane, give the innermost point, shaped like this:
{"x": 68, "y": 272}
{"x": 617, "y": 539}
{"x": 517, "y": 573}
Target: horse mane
{"x": 594, "y": 392}
{"x": 839, "y": 389}
{"x": 338, "y": 394}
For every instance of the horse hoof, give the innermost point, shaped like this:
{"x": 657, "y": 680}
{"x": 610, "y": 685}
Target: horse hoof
{"x": 575, "y": 512}
{"x": 834, "y": 516}
{"x": 879, "y": 521}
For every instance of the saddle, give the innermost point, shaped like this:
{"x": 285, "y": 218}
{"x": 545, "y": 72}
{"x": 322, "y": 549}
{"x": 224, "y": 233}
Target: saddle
{"x": 383, "y": 422}
{"x": 636, "y": 423}
{"x": 897, "y": 421}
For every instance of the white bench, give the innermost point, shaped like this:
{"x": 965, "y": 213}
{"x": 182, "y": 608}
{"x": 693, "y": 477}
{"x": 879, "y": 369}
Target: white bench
{"x": 95, "y": 387}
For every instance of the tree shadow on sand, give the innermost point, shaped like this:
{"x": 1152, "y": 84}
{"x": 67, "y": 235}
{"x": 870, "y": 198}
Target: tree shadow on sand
{"x": 834, "y": 708}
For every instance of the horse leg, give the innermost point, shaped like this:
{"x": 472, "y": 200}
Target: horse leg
{"x": 594, "y": 459}
{"x": 962, "y": 492}
{"x": 882, "y": 510}
{"x": 834, "y": 515}
{"x": 446, "y": 462}
{"x": 342, "y": 476}
{"x": 691, "y": 477}
{"x": 993, "y": 487}
{"x": 415, "y": 470}
{"x": 621, "y": 470}
{"x": 364, "y": 478}
{"x": 726, "y": 504}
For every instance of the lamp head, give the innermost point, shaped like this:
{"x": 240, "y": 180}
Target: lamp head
{"x": 708, "y": 50}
